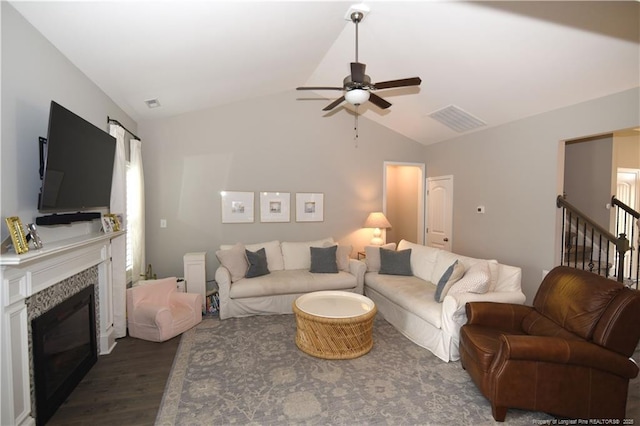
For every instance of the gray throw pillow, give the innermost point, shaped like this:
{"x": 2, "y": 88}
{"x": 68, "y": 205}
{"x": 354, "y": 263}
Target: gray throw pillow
{"x": 257, "y": 263}
{"x": 453, "y": 273}
{"x": 323, "y": 260}
{"x": 395, "y": 262}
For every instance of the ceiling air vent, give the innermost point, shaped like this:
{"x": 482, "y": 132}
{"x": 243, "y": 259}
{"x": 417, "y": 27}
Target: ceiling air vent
{"x": 152, "y": 103}
{"x": 457, "y": 119}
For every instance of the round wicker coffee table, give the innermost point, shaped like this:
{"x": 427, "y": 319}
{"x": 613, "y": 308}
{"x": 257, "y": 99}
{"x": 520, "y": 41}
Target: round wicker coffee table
{"x": 334, "y": 324}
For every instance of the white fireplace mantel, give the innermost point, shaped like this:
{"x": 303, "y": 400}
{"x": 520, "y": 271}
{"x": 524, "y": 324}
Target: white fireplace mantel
{"x": 27, "y": 274}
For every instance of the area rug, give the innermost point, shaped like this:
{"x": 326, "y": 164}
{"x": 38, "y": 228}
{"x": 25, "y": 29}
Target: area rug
{"x": 248, "y": 371}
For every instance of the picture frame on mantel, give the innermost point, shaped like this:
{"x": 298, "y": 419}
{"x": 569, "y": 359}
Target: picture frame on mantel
{"x": 16, "y": 232}
{"x": 275, "y": 207}
{"x": 237, "y": 206}
{"x": 309, "y": 207}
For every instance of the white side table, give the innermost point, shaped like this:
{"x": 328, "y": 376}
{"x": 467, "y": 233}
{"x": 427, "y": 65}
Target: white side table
{"x": 195, "y": 275}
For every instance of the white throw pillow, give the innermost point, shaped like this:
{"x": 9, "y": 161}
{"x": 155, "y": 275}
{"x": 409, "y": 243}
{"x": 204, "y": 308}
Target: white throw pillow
{"x": 372, "y": 254}
{"x": 272, "y": 248}
{"x": 475, "y": 280}
{"x": 343, "y": 255}
{"x": 297, "y": 255}
{"x": 235, "y": 260}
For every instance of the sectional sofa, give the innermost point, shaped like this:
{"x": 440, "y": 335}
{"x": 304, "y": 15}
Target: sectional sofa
{"x": 292, "y": 269}
{"x": 430, "y": 314}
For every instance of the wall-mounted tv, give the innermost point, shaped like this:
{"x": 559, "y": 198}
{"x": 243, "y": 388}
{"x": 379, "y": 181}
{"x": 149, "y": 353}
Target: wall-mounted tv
{"x": 77, "y": 164}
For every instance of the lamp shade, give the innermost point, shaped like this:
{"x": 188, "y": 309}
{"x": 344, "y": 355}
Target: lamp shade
{"x": 356, "y": 96}
{"x": 376, "y": 220}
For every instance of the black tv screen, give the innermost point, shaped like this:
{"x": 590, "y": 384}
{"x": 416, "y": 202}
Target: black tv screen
{"x": 78, "y": 164}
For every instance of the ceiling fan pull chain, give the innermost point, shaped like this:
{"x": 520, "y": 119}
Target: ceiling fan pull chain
{"x": 355, "y": 127}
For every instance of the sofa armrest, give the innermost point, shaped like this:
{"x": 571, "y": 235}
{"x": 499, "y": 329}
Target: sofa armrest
{"x": 454, "y": 313}
{"x": 358, "y": 269}
{"x": 223, "y": 279}
{"x": 562, "y": 351}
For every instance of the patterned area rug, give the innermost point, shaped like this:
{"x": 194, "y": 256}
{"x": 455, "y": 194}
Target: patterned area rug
{"x": 249, "y": 371}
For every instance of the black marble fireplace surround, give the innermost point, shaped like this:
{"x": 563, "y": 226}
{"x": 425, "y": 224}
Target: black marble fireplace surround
{"x": 63, "y": 341}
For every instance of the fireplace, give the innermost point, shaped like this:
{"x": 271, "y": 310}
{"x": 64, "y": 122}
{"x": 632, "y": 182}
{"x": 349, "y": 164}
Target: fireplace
{"x": 64, "y": 350}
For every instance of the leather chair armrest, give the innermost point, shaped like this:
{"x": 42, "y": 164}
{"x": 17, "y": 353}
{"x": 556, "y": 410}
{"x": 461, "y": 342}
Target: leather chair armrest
{"x": 562, "y": 351}
{"x": 503, "y": 316}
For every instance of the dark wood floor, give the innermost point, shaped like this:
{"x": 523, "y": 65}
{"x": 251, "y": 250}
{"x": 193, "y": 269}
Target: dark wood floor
{"x": 124, "y": 388}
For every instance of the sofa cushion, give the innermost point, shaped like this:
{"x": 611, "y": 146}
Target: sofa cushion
{"x": 323, "y": 260}
{"x": 257, "y": 263}
{"x": 453, "y": 273}
{"x": 372, "y": 256}
{"x": 474, "y": 280}
{"x": 235, "y": 260}
{"x": 272, "y": 248}
{"x": 395, "y": 262}
{"x": 291, "y": 282}
{"x": 343, "y": 255}
{"x": 296, "y": 255}
{"x": 423, "y": 259}
{"x": 409, "y": 292}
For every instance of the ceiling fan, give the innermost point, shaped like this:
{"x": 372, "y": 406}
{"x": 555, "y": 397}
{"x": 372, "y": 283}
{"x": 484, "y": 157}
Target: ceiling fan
{"x": 357, "y": 86}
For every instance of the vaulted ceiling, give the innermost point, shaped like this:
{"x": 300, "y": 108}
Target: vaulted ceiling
{"x": 498, "y": 61}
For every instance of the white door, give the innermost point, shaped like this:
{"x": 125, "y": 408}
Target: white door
{"x": 440, "y": 212}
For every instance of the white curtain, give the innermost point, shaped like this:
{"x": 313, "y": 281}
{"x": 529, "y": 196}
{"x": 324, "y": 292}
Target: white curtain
{"x": 135, "y": 204}
{"x": 118, "y": 244}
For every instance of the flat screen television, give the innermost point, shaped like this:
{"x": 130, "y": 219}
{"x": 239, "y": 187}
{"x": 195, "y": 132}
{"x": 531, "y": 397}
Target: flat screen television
{"x": 77, "y": 164}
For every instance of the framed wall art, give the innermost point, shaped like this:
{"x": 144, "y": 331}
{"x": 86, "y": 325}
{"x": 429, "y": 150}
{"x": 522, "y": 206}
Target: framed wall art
{"x": 275, "y": 207}
{"x": 16, "y": 231}
{"x": 309, "y": 207}
{"x": 237, "y": 207}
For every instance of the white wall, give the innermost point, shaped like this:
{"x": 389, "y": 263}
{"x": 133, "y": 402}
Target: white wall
{"x": 34, "y": 72}
{"x": 275, "y": 143}
{"x": 515, "y": 170}
{"x": 587, "y": 176}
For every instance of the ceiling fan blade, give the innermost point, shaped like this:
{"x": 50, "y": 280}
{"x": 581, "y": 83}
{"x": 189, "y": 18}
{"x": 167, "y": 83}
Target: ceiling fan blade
{"x": 334, "y": 104}
{"x": 357, "y": 72}
{"x": 414, "y": 81}
{"x": 319, "y": 88}
{"x": 378, "y": 101}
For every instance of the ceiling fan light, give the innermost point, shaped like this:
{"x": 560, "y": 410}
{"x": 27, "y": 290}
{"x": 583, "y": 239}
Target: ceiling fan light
{"x": 357, "y": 96}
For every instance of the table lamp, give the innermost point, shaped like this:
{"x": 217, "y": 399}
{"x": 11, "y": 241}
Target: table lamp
{"x": 376, "y": 220}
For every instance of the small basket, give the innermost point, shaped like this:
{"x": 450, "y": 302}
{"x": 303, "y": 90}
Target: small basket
{"x": 334, "y": 338}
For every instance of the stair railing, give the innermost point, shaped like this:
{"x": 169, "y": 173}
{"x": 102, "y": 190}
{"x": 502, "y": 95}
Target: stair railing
{"x": 603, "y": 248}
{"x": 626, "y": 222}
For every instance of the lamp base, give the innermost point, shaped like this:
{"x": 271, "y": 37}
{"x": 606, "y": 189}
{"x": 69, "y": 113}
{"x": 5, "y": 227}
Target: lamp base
{"x": 376, "y": 241}
{"x": 377, "y": 237}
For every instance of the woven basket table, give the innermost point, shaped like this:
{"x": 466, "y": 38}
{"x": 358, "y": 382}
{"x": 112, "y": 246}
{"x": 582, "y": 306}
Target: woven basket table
{"x": 334, "y": 324}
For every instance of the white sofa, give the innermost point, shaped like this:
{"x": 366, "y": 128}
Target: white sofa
{"x": 409, "y": 303}
{"x": 289, "y": 277}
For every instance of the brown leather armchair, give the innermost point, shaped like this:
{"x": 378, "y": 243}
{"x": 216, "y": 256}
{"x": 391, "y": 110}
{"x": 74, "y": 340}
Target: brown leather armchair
{"x": 567, "y": 355}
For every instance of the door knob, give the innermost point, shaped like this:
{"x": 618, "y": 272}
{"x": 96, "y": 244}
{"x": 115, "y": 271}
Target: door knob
{"x": 445, "y": 239}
